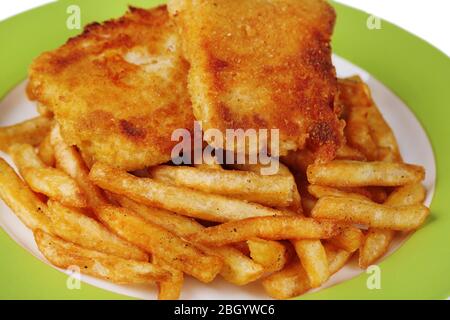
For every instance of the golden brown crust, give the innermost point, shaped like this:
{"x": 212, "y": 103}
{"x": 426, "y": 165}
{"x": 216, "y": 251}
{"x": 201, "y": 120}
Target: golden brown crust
{"x": 263, "y": 64}
{"x": 119, "y": 89}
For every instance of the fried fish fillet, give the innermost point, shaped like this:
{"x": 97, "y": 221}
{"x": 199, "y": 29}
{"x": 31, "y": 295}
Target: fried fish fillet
{"x": 119, "y": 90}
{"x": 263, "y": 64}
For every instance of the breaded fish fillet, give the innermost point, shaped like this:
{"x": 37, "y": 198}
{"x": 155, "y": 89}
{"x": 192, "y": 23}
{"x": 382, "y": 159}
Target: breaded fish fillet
{"x": 263, "y": 64}
{"x": 119, "y": 90}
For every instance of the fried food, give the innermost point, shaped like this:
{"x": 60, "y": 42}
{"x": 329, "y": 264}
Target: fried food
{"x": 119, "y": 89}
{"x": 270, "y": 228}
{"x": 342, "y": 173}
{"x": 18, "y": 196}
{"x": 31, "y": 131}
{"x": 188, "y": 202}
{"x": 275, "y": 190}
{"x": 377, "y": 241}
{"x": 176, "y": 252}
{"x": 65, "y": 254}
{"x": 73, "y": 226}
{"x": 263, "y": 65}
{"x": 237, "y": 267}
{"x": 404, "y": 218}
{"x": 52, "y": 182}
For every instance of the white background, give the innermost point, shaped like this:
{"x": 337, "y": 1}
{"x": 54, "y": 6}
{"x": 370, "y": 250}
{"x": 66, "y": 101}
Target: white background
{"x": 426, "y": 18}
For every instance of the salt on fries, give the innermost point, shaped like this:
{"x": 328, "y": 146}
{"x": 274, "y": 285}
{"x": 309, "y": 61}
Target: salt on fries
{"x": 291, "y": 232}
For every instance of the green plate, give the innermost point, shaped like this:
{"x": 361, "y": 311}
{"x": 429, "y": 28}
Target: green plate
{"x": 418, "y": 73}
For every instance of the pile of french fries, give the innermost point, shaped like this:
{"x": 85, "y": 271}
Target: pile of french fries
{"x": 292, "y": 230}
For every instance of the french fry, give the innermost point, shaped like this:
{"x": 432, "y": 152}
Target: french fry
{"x": 169, "y": 289}
{"x": 350, "y": 239}
{"x": 237, "y": 267}
{"x": 64, "y": 254}
{"x": 377, "y": 241}
{"x": 269, "y": 228}
{"x": 345, "y": 152}
{"x": 376, "y": 244}
{"x": 356, "y": 99}
{"x": 45, "y": 151}
{"x": 290, "y": 282}
{"x": 283, "y": 170}
{"x": 272, "y": 255}
{"x": 30, "y": 132}
{"x": 313, "y": 258}
{"x": 184, "y": 201}
{"x": 342, "y": 173}
{"x": 407, "y": 195}
{"x": 275, "y": 190}
{"x": 22, "y": 201}
{"x": 357, "y": 132}
{"x": 380, "y": 131}
{"x": 73, "y": 226}
{"x": 167, "y": 246}
{"x": 337, "y": 258}
{"x": 51, "y": 182}
{"x": 70, "y": 161}
{"x": 323, "y": 191}
{"x": 293, "y": 280}
{"x": 404, "y": 218}
{"x": 383, "y": 136}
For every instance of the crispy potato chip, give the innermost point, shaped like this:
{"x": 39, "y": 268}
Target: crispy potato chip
{"x": 64, "y": 254}
{"x": 184, "y": 201}
{"x": 342, "y": 173}
{"x": 272, "y": 255}
{"x": 167, "y": 246}
{"x": 72, "y": 225}
{"x": 69, "y": 160}
{"x": 31, "y": 131}
{"x": 274, "y": 191}
{"x": 269, "y": 228}
{"x": 237, "y": 267}
{"x": 349, "y": 210}
{"x": 51, "y": 182}
{"x": 23, "y": 202}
